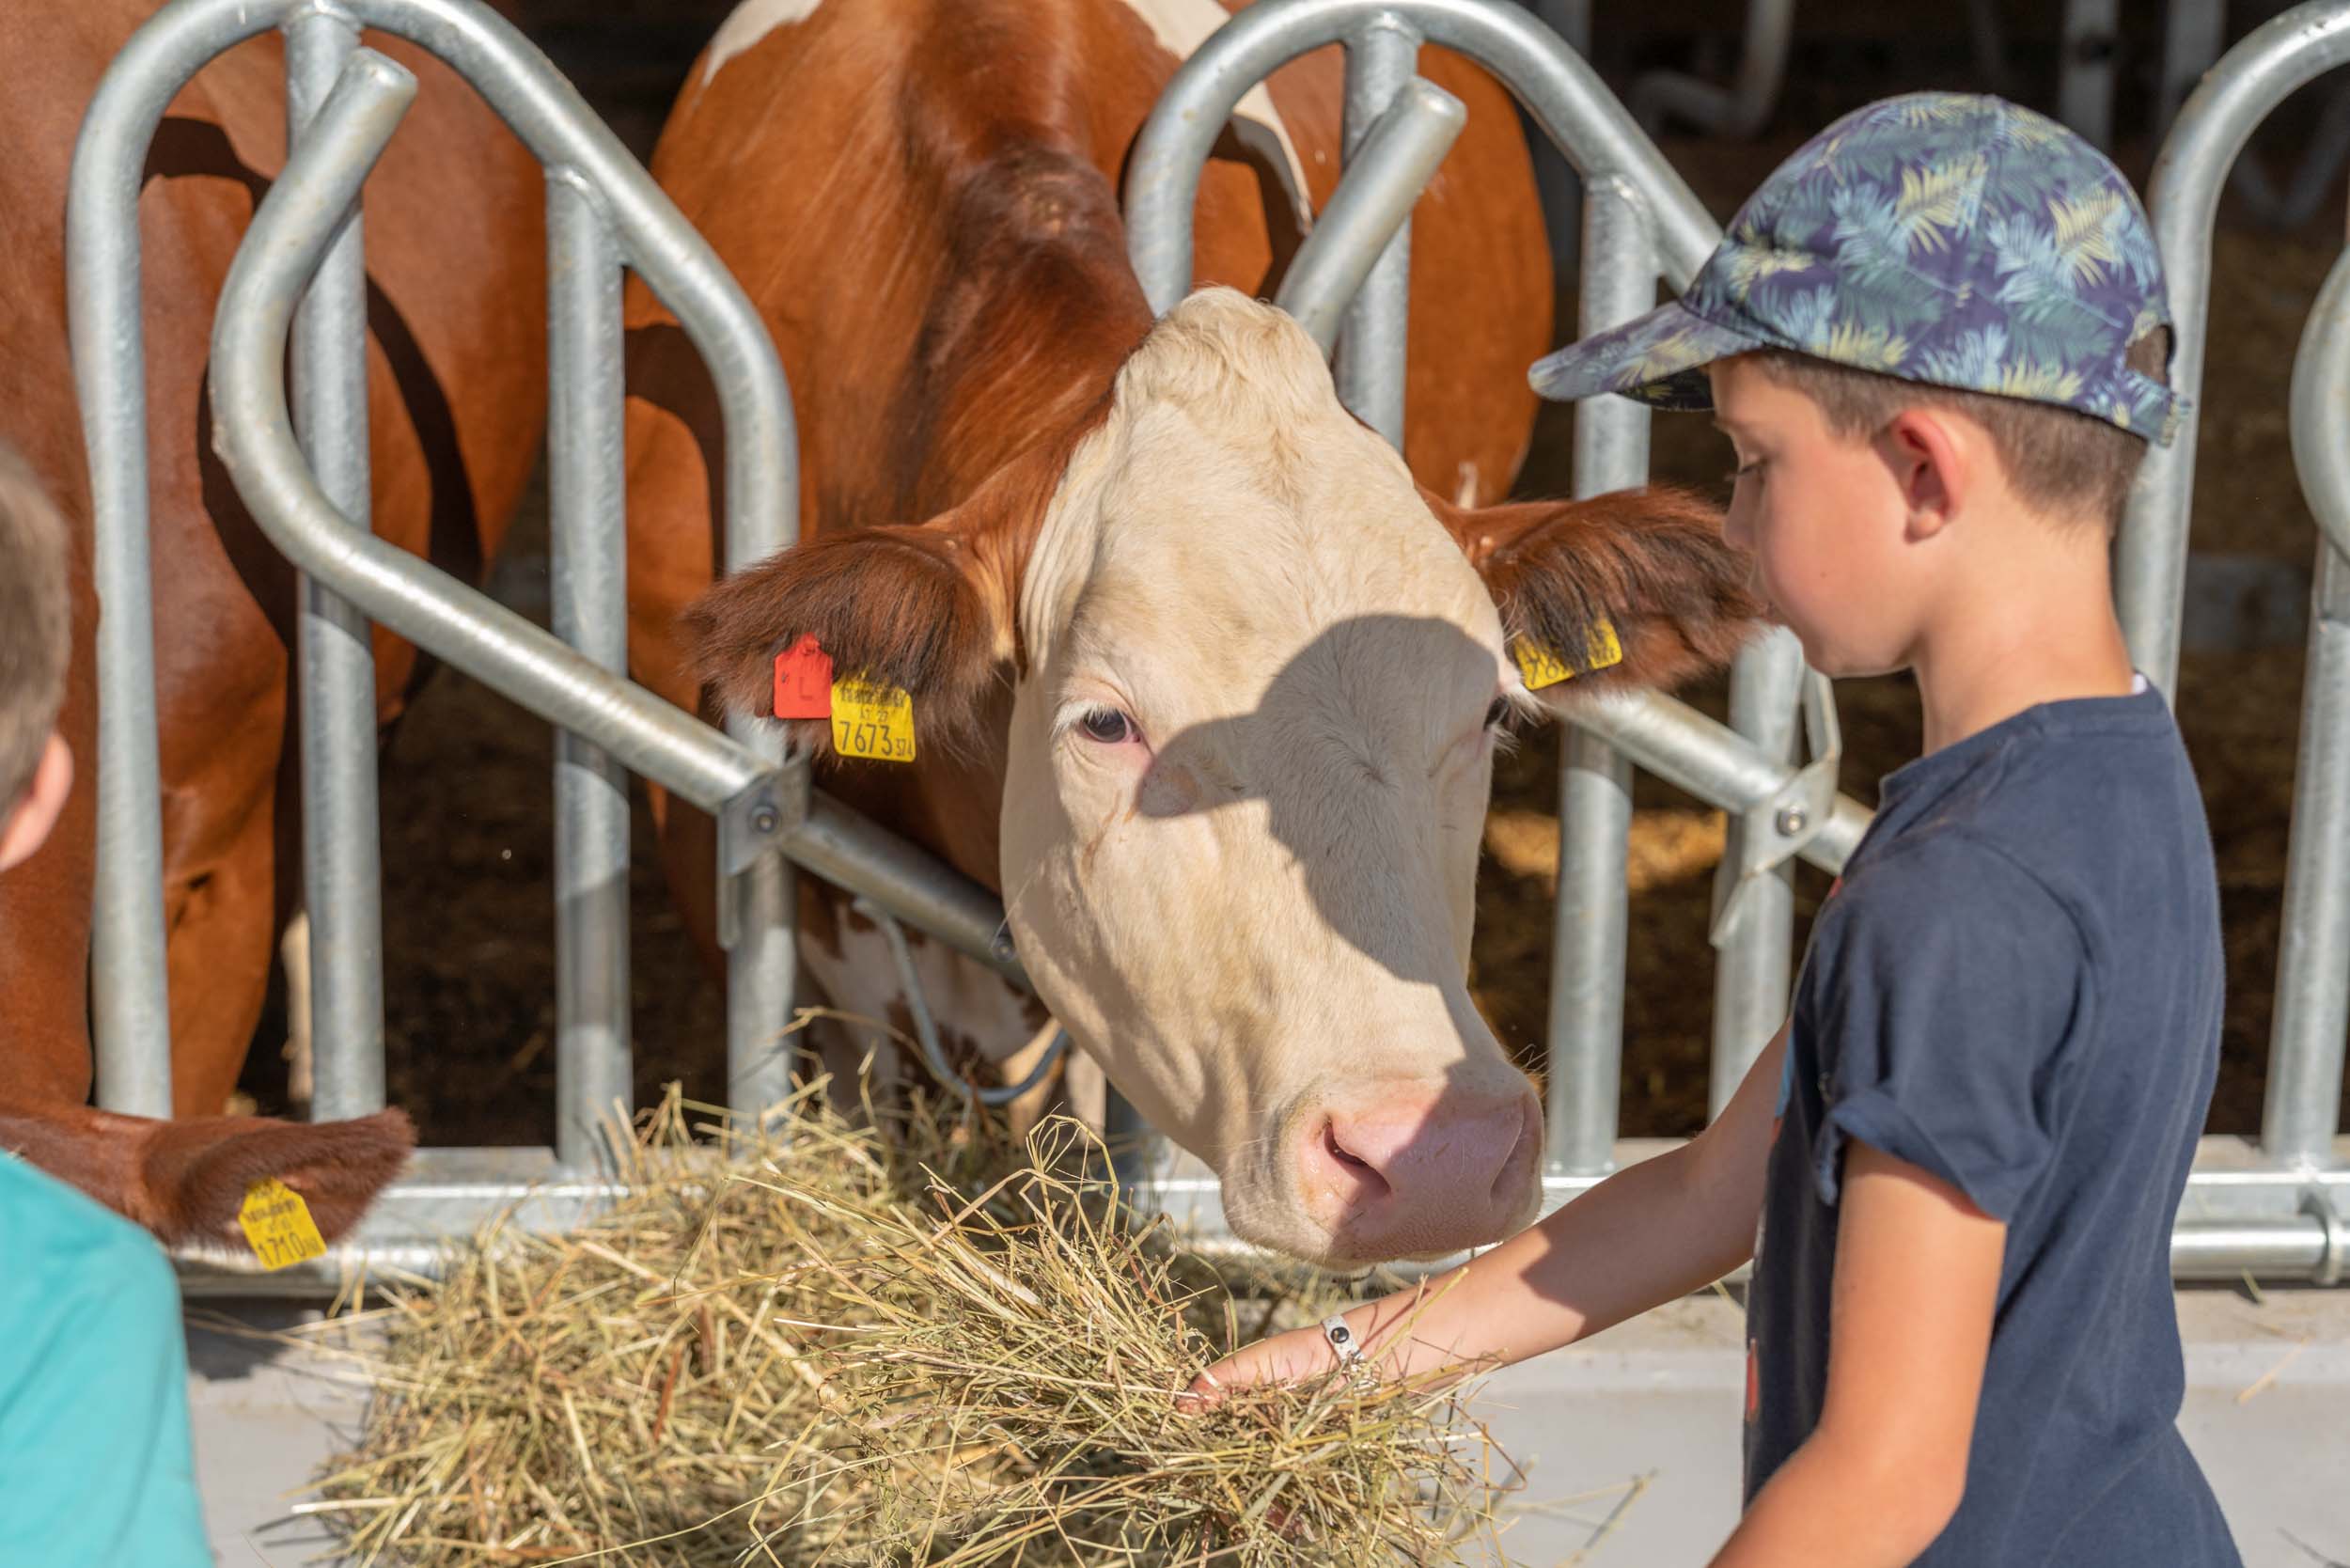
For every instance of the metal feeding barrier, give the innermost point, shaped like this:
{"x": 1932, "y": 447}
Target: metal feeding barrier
{"x": 311, "y": 499}
{"x": 2276, "y": 1208}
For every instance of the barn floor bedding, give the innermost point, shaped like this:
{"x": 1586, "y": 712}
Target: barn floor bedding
{"x": 828, "y": 1344}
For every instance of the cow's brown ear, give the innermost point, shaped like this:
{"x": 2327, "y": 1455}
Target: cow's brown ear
{"x": 914, "y": 607}
{"x": 1650, "y": 564}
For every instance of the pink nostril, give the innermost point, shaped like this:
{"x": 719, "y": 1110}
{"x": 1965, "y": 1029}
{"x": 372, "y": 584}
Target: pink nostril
{"x": 1405, "y": 1171}
{"x": 1374, "y": 1185}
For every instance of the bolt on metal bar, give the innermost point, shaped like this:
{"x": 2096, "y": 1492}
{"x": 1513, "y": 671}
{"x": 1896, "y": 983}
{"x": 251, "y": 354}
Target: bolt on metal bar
{"x": 1373, "y": 202}
{"x": 1589, "y": 936}
{"x": 341, "y": 842}
{"x": 1381, "y": 61}
{"x": 2312, "y": 1014}
{"x": 587, "y": 485}
{"x": 2205, "y": 140}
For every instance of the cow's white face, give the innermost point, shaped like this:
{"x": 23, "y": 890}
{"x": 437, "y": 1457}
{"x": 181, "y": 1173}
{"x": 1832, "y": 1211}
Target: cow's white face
{"x": 1256, "y": 674}
{"x": 1247, "y": 774}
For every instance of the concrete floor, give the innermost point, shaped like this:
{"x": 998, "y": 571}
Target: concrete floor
{"x": 1631, "y": 1442}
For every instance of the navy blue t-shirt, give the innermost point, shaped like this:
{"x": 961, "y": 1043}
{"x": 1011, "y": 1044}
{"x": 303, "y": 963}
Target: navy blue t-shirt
{"x": 2018, "y": 987}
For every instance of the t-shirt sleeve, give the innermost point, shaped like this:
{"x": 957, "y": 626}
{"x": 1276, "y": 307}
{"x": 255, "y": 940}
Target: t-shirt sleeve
{"x": 1944, "y": 987}
{"x": 95, "y": 1464}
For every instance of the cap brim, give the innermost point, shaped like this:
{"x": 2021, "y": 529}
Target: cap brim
{"x": 1660, "y": 359}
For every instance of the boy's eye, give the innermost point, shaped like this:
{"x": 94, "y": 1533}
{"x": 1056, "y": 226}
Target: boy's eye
{"x": 1745, "y": 470}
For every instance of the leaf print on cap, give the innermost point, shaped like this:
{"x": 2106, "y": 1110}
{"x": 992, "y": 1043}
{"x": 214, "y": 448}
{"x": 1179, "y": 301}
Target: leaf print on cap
{"x": 1937, "y": 200}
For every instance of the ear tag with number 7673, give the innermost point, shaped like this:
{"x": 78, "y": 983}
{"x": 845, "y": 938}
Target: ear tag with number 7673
{"x": 1542, "y": 666}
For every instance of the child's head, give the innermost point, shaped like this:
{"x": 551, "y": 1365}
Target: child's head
{"x": 1943, "y": 310}
{"x": 35, "y": 769}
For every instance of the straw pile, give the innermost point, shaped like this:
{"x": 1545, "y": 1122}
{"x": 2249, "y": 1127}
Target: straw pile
{"x": 839, "y": 1346}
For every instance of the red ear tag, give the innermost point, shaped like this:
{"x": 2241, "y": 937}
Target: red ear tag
{"x": 803, "y": 680}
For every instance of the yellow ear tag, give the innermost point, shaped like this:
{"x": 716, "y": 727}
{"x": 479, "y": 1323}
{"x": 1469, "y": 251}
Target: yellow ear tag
{"x": 278, "y": 1224}
{"x": 1542, "y": 666}
{"x": 869, "y": 720}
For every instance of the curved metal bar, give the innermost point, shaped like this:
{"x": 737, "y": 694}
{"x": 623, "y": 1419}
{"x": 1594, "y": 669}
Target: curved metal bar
{"x": 254, "y": 436}
{"x": 131, "y": 1008}
{"x": 926, "y": 1026}
{"x": 2305, "y": 1051}
{"x": 2184, "y": 202}
{"x": 341, "y": 845}
{"x": 1557, "y": 89}
{"x": 1374, "y": 198}
{"x": 1739, "y": 110}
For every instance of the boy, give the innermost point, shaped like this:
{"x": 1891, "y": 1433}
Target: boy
{"x": 1934, "y": 337}
{"x": 94, "y": 1464}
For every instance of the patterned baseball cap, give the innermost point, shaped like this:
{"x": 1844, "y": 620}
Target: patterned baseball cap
{"x": 1949, "y": 239}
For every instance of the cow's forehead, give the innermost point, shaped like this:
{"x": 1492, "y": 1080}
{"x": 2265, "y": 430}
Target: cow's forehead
{"x": 1230, "y": 512}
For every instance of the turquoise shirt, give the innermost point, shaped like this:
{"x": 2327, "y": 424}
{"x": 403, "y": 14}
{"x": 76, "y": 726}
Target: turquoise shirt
{"x": 95, "y": 1470}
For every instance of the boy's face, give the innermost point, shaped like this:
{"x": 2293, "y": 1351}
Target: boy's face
{"x": 26, "y": 824}
{"x": 1824, "y": 520}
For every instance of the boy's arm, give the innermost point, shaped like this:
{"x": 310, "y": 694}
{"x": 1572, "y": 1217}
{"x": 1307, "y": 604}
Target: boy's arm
{"x": 1649, "y": 1234}
{"x": 1917, "y": 1280}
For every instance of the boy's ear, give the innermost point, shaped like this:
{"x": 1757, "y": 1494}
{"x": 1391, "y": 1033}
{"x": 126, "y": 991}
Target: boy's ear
{"x": 26, "y": 825}
{"x": 1650, "y": 565}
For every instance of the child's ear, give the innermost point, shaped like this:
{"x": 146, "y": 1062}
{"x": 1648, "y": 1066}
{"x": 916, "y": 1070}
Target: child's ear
{"x": 1650, "y": 566}
{"x": 28, "y": 824}
{"x": 1933, "y": 465}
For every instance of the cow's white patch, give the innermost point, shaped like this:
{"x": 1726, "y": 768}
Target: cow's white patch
{"x": 1465, "y": 488}
{"x": 1182, "y": 26}
{"x": 747, "y": 23}
{"x": 966, "y": 998}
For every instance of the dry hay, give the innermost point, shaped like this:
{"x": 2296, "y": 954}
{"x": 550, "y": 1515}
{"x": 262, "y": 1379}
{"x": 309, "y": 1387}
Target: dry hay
{"x": 833, "y": 1345}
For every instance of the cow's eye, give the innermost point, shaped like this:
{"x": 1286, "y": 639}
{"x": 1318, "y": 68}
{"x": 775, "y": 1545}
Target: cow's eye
{"x": 1107, "y": 725}
{"x": 1497, "y": 712}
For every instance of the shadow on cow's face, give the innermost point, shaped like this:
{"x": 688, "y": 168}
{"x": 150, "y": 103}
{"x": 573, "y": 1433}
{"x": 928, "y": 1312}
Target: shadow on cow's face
{"x": 1259, "y": 925}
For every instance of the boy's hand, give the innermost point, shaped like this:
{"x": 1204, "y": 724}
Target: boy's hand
{"x": 1291, "y": 1358}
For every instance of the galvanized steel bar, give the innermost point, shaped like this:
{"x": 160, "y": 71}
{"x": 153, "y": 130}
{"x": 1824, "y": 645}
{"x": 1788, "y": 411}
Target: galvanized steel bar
{"x": 1740, "y": 110}
{"x": 1373, "y": 350}
{"x": 2184, "y": 202}
{"x": 761, "y": 491}
{"x": 1756, "y": 952}
{"x": 2085, "y": 69}
{"x": 255, "y": 440}
{"x": 1561, "y": 92}
{"x": 2313, "y": 1014}
{"x": 341, "y": 842}
{"x": 587, "y": 485}
{"x": 1587, "y": 944}
{"x": 1371, "y": 203}
{"x": 1715, "y": 763}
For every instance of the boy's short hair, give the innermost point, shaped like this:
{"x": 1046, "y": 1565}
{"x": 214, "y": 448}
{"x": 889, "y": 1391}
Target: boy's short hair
{"x": 2059, "y": 462}
{"x": 36, "y": 618}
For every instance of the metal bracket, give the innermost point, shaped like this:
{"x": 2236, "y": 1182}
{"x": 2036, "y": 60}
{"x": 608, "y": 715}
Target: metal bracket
{"x": 925, "y": 1027}
{"x": 753, "y": 825}
{"x": 1776, "y": 829}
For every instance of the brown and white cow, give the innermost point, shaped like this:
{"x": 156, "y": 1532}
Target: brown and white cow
{"x": 1203, "y": 682}
{"x": 456, "y": 393}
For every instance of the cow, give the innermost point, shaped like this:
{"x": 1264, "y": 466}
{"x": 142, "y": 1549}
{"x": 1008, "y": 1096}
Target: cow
{"x": 1205, "y": 679}
{"x": 457, "y": 394}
